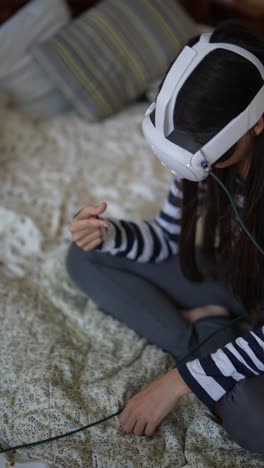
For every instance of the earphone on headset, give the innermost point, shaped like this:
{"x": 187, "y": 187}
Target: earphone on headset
{"x": 183, "y": 156}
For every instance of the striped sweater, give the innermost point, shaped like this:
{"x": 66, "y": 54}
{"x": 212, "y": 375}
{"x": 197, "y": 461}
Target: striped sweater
{"x": 156, "y": 240}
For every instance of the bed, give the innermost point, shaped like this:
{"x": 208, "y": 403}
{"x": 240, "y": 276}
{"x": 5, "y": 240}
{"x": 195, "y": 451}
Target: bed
{"x": 63, "y": 362}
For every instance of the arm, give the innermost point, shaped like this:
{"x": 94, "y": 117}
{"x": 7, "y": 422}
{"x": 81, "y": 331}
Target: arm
{"x": 155, "y": 240}
{"x": 210, "y": 378}
{"x": 147, "y": 241}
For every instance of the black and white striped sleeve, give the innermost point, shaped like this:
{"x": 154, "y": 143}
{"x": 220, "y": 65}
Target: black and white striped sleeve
{"x": 210, "y": 378}
{"x": 148, "y": 241}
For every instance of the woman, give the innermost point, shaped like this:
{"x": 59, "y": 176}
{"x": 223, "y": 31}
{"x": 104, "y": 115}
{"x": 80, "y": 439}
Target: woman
{"x": 183, "y": 294}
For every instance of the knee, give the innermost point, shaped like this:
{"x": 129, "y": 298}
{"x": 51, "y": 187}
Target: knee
{"x": 242, "y": 413}
{"x": 75, "y": 259}
{"x": 71, "y": 259}
{"x": 79, "y": 262}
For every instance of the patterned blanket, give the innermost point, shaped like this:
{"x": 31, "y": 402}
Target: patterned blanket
{"x": 63, "y": 362}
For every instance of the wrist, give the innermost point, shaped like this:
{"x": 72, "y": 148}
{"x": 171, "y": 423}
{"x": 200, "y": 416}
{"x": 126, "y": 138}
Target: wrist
{"x": 181, "y": 387}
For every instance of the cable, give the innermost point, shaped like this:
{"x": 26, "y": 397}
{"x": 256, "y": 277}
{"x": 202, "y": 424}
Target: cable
{"x": 261, "y": 250}
{"x": 83, "y": 428}
{"x": 230, "y": 324}
{"x": 61, "y": 436}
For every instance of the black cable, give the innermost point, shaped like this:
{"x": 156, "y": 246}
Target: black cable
{"x": 66, "y": 434}
{"x": 51, "y": 439}
{"x": 240, "y": 220}
{"x": 83, "y": 428}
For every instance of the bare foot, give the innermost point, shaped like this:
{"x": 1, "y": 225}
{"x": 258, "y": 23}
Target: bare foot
{"x": 192, "y": 315}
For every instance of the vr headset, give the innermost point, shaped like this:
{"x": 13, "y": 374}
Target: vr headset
{"x": 179, "y": 151}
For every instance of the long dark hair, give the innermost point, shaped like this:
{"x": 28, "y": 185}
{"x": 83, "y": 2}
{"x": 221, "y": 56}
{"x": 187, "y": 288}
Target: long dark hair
{"x": 220, "y": 88}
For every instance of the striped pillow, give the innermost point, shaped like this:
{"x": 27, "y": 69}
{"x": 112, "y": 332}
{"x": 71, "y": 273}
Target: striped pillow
{"x": 108, "y": 56}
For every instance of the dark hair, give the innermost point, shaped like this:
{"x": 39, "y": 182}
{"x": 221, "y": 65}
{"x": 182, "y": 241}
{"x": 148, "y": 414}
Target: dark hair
{"x": 219, "y": 89}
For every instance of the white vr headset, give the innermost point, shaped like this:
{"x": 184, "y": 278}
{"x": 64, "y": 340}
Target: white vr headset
{"x": 190, "y": 162}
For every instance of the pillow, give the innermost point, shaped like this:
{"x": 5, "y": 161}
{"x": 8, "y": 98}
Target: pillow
{"x": 108, "y": 56}
{"x": 20, "y": 74}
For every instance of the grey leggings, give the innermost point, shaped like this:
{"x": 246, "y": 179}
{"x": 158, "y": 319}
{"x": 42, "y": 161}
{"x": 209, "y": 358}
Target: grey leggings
{"x": 146, "y": 297}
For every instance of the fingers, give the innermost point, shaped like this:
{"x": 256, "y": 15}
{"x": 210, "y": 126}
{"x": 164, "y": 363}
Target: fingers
{"x": 91, "y": 210}
{"x": 86, "y": 227}
{"x": 151, "y": 430}
{"x": 78, "y": 235}
{"x": 89, "y": 242}
{"x": 89, "y": 224}
{"x": 86, "y": 239}
{"x": 139, "y": 428}
{"x": 91, "y": 245}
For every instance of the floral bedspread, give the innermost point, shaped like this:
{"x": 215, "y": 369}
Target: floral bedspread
{"x": 63, "y": 362}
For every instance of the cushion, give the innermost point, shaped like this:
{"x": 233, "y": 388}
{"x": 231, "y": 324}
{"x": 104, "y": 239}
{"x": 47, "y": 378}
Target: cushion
{"x": 108, "y": 56}
{"x": 20, "y": 74}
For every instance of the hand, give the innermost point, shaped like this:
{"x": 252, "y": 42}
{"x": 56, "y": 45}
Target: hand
{"x": 86, "y": 228}
{"x": 146, "y": 410}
